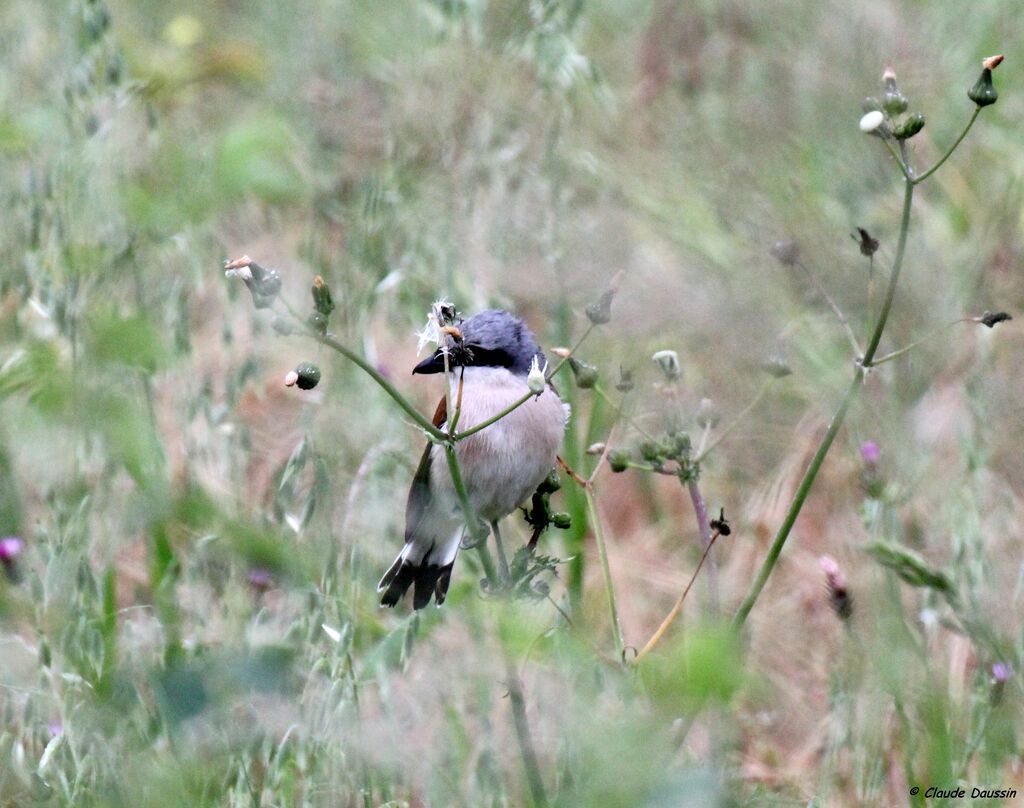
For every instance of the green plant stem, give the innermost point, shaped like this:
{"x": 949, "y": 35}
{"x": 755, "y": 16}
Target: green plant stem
{"x": 476, "y": 529}
{"x": 620, "y": 411}
{"x": 899, "y": 160}
{"x": 735, "y": 421}
{"x": 527, "y": 396}
{"x": 503, "y": 571}
{"x": 602, "y": 551}
{"x": 522, "y": 727}
{"x": 387, "y": 386}
{"x": 934, "y": 168}
{"x": 941, "y": 330}
{"x": 837, "y": 420}
{"x": 832, "y": 305}
{"x": 371, "y": 371}
{"x": 890, "y": 295}
{"x": 798, "y": 502}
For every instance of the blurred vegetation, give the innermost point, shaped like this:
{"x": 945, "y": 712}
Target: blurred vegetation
{"x": 190, "y": 618}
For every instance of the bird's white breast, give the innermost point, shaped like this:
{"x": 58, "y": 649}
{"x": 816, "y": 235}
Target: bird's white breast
{"x": 504, "y": 463}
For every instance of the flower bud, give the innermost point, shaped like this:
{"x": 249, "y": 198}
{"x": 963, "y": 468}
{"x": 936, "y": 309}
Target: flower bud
{"x": 871, "y": 121}
{"x": 707, "y": 414}
{"x": 322, "y": 297}
{"x": 652, "y": 451}
{"x": 1001, "y": 674}
{"x": 261, "y": 580}
{"x": 910, "y": 127}
{"x": 551, "y": 483}
{"x": 776, "y": 366}
{"x": 561, "y": 520}
{"x": 786, "y": 252}
{"x": 306, "y": 376}
{"x": 894, "y": 102}
{"x": 668, "y": 361}
{"x": 870, "y": 453}
{"x": 625, "y": 383}
{"x": 838, "y": 595}
{"x": 600, "y": 311}
{"x": 871, "y": 104}
{"x": 264, "y": 284}
{"x": 10, "y": 549}
{"x": 318, "y": 322}
{"x": 983, "y": 92}
{"x": 537, "y": 380}
{"x": 586, "y": 375}
{"x": 595, "y": 449}
{"x": 618, "y": 460}
{"x": 282, "y": 326}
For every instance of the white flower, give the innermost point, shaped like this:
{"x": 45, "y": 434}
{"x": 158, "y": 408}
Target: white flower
{"x": 668, "y": 361}
{"x": 871, "y": 121}
{"x": 431, "y": 333}
{"x": 537, "y": 381}
{"x": 241, "y": 272}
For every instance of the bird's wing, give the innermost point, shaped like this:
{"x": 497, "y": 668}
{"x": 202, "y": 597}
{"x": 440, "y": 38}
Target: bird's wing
{"x": 419, "y": 491}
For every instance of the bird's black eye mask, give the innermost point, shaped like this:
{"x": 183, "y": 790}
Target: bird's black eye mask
{"x": 465, "y": 355}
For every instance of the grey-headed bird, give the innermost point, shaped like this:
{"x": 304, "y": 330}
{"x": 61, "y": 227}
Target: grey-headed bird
{"x": 502, "y": 464}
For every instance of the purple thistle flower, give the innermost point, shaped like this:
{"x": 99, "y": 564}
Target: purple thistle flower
{"x": 10, "y": 548}
{"x": 838, "y": 595}
{"x": 870, "y": 453}
{"x": 1001, "y": 672}
{"x": 260, "y": 579}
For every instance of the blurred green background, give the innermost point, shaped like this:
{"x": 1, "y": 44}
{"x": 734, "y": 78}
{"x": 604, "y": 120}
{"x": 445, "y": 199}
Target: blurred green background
{"x": 191, "y": 617}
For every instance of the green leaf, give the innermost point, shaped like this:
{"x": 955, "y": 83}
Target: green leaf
{"x": 132, "y": 341}
{"x": 704, "y": 667}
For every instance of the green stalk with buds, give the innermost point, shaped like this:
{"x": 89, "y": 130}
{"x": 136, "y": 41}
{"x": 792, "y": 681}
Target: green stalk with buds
{"x": 884, "y": 122}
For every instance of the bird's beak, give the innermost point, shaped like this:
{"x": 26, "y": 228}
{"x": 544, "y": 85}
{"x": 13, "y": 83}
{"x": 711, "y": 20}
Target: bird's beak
{"x": 432, "y": 364}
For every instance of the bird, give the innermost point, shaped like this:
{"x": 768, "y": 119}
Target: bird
{"x": 491, "y": 354}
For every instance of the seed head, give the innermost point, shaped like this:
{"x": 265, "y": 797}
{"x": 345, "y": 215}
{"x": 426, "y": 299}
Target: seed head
{"x": 707, "y": 414}
{"x": 993, "y": 318}
{"x": 537, "y": 380}
{"x": 668, "y": 362}
{"x": 786, "y": 252}
{"x": 868, "y": 245}
{"x": 264, "y": 284}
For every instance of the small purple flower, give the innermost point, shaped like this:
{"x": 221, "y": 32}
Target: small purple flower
{"x": 260, "y": 579}
{"x": 55, "y": 728}
{"x": 10, "y": 548}
{"x": 1001, "y": 672}
{"x": 838, "y": 594}
{"x": 870, "y": 453}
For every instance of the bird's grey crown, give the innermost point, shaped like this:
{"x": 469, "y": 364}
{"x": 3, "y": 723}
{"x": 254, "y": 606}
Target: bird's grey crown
{"x": 499, "y": 339}
{"x": 490, "y": 339}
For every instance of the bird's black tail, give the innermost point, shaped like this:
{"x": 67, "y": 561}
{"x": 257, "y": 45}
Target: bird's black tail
{"x": 428, "y": 580}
